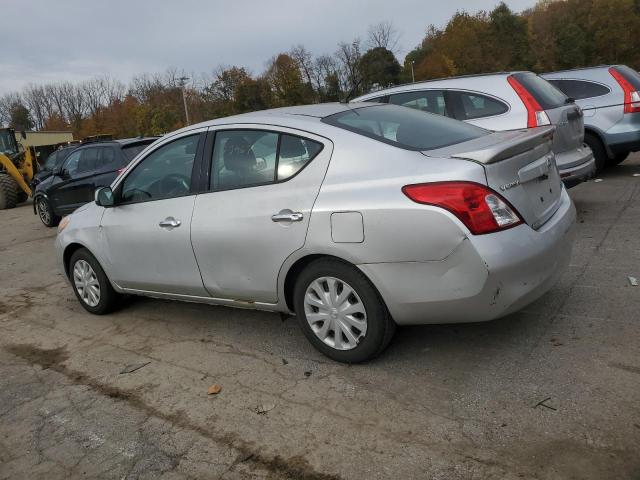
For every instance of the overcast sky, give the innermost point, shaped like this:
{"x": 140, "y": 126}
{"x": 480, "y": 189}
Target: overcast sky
{"x": 46, "y": 40}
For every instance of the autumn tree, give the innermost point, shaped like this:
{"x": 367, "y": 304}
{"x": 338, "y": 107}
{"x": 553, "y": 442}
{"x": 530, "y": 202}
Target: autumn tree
{"x": 379, "y": 68}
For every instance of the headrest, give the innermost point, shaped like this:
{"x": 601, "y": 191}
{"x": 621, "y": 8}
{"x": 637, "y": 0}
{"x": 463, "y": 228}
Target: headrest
{"x": 408, "y": 133}
{"x": 238, "y": 156}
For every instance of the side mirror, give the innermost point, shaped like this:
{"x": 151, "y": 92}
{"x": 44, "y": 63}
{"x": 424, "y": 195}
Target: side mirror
{"x": 104, "y": 197}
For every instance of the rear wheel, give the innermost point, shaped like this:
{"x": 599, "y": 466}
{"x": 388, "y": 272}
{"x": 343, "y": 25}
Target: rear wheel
{"x": 8, "y": 192}
{"x": 618, "y": 158}
{"x": 341, "y": 313}
{"x": 45, "y": 212}
{"x": 90, "y": 283}
{"x": 599, "y": 152}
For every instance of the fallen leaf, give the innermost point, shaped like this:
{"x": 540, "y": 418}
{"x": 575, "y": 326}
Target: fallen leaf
{"x": 214, "y": 389}
{"x": 633, "y": 281}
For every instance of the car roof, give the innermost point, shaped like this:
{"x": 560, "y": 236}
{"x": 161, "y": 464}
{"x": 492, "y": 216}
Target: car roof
{"x": 580, "y": 69}
{"x": 417, "y": 85}
{"x": 123, "y": 142}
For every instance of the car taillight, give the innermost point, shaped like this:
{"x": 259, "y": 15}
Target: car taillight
{"x": 631, "y": 95}
{"x": 481, "y": 209}
{"x": 536, "y": 116}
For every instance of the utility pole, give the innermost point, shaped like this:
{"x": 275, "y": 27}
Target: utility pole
{"x": 413, "y": 75}
{"x": 183, "y": 80}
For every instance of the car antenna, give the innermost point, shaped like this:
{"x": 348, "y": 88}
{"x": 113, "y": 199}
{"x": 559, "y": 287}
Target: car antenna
{"x": 352, "y": 91}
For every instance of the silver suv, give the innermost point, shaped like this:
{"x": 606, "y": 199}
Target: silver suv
{"x": 504, "y": 101}
{"x": 609, "y": 96}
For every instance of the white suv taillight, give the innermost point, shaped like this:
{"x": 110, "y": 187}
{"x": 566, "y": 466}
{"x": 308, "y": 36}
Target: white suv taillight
{"x": 631, "y": 95}
{"x": 536, "y": 116}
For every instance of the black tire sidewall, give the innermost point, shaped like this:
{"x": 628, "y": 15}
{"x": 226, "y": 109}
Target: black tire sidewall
{"x": 599, "y": 153}
{"x": 378, "y": 320}
{"x": 108, "y": 296}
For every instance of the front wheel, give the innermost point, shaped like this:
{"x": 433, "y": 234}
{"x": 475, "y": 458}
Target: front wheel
{"x": 90, "y": 283}
{"x": 619, "y": 158}
{"x": 341, "y": 313}
{"x": 45, "y": 212}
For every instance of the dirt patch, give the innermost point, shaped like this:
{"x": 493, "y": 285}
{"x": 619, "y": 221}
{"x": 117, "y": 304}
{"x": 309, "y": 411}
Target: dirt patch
{"x": 294, "y": 468}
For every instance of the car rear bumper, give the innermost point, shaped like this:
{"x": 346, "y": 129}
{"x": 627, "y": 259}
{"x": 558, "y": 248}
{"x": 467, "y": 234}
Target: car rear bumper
{"x": 486, "y": 277}
{"x": 576, "y": 166}
{"x": 623, "y": 141}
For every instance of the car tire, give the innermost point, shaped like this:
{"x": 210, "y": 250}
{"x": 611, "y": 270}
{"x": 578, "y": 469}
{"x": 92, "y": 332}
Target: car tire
{"x": 619, "y": 158}
{"x": 599, "y": 152}
{"x": 364, "y": 334}
{"x": 8, "y": 192}
{"x": 90, "y": 284}
{"x": 45, "y": 212}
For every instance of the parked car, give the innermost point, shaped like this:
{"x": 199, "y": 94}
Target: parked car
{"x": 504, "y": 101}
{"x": 53, "y": 162}
{"x": 355, "y": 217}
{"x": 72, "y": 183}
{"x": 609, "y": 96}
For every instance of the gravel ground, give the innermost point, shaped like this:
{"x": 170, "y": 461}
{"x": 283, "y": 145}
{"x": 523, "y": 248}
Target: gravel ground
{"x": 550, "y": 392}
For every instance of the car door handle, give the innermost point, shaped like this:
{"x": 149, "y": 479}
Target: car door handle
{"x": 287, "y": 216}
{"x": 170, "y": 222}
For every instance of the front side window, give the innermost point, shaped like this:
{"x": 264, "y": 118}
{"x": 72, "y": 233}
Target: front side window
{"x": 431, "y": 101}
{"x": 51, "y": 162}
{"x": 244, "y": 158}
{"x": 475, "y": 105}
{"x": 71, "y": 164}
{"x": 164, "y": 173}
{"x": 405, "y": 127}
{"x": 88, "y": 160}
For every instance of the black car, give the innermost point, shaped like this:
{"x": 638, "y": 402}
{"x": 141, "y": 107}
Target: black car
{"x": 53, "y": 162}
{"x": 73, "y": 183}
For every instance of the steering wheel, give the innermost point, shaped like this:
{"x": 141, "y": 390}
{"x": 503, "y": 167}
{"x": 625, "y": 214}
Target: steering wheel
{"x": 175, "y": 184}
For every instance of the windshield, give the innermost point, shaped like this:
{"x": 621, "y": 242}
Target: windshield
{"x": 8, "y": 144}
{"x": 405, "y": 127}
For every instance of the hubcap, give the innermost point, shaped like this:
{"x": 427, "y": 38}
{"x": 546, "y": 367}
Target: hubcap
{"x": 43, "y": 211}
{"x": 86, "y": 283}
{"x": 335, "y": 313}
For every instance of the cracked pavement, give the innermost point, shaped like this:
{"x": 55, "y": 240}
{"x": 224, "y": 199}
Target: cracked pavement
{"x": 550, "y": 392}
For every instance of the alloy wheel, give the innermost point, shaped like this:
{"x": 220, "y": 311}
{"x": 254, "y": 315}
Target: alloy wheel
{"x": 86, "y": 283}
{"x": 335, "y": 313}
{"x": 43, "y": 211}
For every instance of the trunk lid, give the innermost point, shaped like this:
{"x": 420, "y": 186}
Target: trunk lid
{"x": 520, "y": 165}
{"x": 569, "y": 123}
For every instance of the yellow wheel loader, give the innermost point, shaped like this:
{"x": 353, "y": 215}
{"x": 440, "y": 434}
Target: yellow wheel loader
{"x": 17, "y": 166}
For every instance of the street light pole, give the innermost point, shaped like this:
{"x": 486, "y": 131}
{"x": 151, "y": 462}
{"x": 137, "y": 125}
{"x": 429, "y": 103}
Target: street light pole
{"x": 413, "y": 75}
{"x": 184, "y": 99}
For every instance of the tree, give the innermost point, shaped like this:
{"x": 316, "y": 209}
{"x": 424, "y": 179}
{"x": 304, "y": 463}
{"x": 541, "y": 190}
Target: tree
{"x": 383, "y": 35}
{"x": 283, "y": 75}
{"x": 379, "y": 68}
{"x": 20, "y": 118}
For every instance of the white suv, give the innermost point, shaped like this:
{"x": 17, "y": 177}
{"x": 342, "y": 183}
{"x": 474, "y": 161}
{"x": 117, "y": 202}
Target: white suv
{"x": 504, "y": 101}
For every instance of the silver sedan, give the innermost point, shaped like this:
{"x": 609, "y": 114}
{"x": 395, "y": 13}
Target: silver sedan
{"x": 354, "y": 217}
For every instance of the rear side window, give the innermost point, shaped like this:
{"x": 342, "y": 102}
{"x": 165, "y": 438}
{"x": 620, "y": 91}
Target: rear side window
{"x": 132, "y": 151}
{"x": 630, "y": 75}
{"x": 245, "y": 158}
{"x": 108, "y": 158}
{"x": 579, "y": 89}
{"x": 475, "y": 105}
{"x": 545, "y": 94}
{"x": 431, "y": 101}
{"x": 405, "y": 127}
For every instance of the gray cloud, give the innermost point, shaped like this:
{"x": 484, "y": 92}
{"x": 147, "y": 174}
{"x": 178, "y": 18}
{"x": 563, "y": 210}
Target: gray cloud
{"x": 47, "y": 41}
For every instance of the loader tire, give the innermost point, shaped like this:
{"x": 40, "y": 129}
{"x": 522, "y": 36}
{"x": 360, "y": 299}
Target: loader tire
{"x": 8, "y": 192}
{"x": 22, "y": 196}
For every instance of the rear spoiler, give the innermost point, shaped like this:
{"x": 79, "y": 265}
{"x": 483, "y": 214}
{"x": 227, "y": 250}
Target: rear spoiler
{"x": 509, "y": 144}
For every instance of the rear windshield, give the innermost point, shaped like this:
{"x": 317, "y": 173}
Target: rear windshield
{"x": 131, "y": 151}
{"x": 630, "y": 75}
{"x": 405, "y": 127}
{"x": 545, "y": 94}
